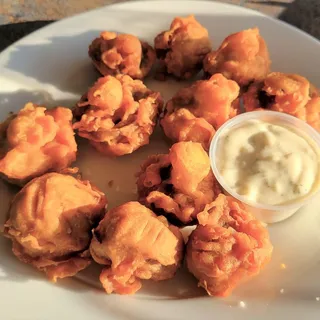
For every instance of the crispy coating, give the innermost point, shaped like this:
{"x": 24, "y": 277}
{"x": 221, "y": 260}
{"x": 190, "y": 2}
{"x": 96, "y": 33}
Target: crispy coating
{"x": 228, "y": 247}
{"x": 117, "y": 115}
{"x": 195, "y": 112}
{"x": 179, "y": 184}
{"x": 288, "y": 93}
{"x": 182, "y": 49}
{"x": 312, "y": 110}
{"x": 242, "y": 57}
{"x": 135, "y": 244}
{"x": 50, "y": 223}
{"x": 35, "y": 141}
{"x": 114, "y": 54}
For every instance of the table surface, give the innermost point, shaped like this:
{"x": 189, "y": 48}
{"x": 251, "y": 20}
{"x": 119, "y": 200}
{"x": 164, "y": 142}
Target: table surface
{"x": 20, "y": 17}
{"x": 12, "y": 11}
{"x": 30, "y": 10}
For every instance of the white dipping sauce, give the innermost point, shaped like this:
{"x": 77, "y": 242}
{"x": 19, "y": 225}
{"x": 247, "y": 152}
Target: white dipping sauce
{"x": 268, "y": 163}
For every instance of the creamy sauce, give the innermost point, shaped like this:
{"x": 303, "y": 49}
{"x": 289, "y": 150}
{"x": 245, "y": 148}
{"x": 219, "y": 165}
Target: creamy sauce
{"x": 268, "y": 163}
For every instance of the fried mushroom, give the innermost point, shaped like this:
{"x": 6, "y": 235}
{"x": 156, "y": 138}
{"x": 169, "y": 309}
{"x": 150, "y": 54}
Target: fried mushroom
{"x": 195, "y": 112}
{"x": 114, "y": 54}
{"x": 117, "y": 115}
{"x": 228, "y": 247}
{"x": 312, "y": 111}
{"x": 34, "y": 141}
{"x": 50, "y": 223}
{"x": 242, "y": 57}
{"x": 134, "y": 244}
{"x": 183, "y": 47}
{"x": 288, "y": 93}
{"x": 178, "y": 185}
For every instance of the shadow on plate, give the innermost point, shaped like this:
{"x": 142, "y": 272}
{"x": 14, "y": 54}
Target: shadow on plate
{"x": 14, "y": 101}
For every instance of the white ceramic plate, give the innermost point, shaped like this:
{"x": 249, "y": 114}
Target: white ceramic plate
{"x": 51, "y": 66}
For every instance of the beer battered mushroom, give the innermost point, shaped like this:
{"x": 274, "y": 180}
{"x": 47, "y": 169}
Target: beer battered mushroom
{"x": 50, "y": 223}
{"x": 228, "y": 247}
{"x": 195, "y": 112}
{"x": 117, "y": 115}
{"x": 34, "y": 141}
{"x": 134, "y": 244}
{"x": 114, "y": 54}
{"x": 312, "y": 110}
{"x": 242, "y": 57}
{"x": 179, "y": 184}
{"x": 182, "y": 48}
{"x": 288, "y": 93}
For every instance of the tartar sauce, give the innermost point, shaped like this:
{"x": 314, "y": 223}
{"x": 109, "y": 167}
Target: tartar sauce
{"x": 268, "y": 163}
